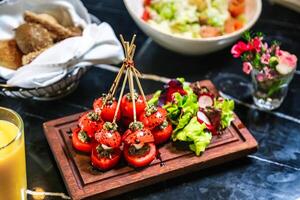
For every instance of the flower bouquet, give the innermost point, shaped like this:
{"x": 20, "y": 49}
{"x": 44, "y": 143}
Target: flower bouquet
{"x": 271, "y": 69}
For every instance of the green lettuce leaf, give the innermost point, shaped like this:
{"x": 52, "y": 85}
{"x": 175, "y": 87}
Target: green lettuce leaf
{"x": 182, "y": 109}
{"x": 196, "y": 134}
{"x": 227, "y": 107}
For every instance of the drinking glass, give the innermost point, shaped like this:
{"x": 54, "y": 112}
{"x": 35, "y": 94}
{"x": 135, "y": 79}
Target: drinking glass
{"x": 269, "y": 94}
{"x": 12, "y": 156}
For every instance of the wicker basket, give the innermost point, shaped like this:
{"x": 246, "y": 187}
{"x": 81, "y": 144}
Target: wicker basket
{"x": 56, "y": 90}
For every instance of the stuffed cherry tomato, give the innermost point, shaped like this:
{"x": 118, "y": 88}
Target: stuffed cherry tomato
{"x": 104, "y": 159}
{"x": 139, "y": 148}
{"x": 109, "y": 109}
{"x": 153, "y": 117}
{"x": 140, "y": 157}
{"x": 106, "y": 152}
{"x": 108, "y": 136}
{"x": 162, "y": 133}
{"x": 138, "y": 137}
{"x": 127, "y": 106}
{"x": 90, "y": 123}
{"x": 81, "y": 141}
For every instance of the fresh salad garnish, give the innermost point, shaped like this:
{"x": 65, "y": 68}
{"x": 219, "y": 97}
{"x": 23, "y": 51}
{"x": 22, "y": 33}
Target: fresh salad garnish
{"x": 195, "y": 18}
{"x": 195, "y": 112}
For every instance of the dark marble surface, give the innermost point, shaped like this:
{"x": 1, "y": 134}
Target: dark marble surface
{"x": 271, "y": 173}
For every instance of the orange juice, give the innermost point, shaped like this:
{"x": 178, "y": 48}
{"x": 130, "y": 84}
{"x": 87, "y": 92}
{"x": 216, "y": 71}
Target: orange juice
{"x": 12, "y": 162}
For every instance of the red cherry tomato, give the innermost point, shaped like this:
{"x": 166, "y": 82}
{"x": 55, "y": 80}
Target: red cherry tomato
{"x": 79, "y": 144}
{"x": 162, "y": 135}
{"x": 109, "y": 138}
{"x": 138, "y": 137}
{"x": 105, "y": 163}
{"x": 108, "y": 111}
{"x": 155, "y": 119}
{"x": 140, "y": 160}
{"x": 90, "y": 123}
{"x": 127, "y": 106}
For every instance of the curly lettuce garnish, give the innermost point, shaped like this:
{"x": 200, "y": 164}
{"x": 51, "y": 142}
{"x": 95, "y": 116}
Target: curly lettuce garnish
{"x": 196, "y": 134}
{"x": 227, "y": 107}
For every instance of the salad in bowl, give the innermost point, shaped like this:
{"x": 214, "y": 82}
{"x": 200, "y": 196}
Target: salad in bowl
{"x": 195, "y": 18}
{"x": 194, "y": 27}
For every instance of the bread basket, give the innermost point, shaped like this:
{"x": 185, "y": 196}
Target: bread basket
{"x": 56, "y": 90}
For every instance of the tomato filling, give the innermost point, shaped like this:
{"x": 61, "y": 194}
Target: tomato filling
{"x": 93, "y": 116}
{"x": 83, "y": 137}
{"x": 81, "y": 141}
{"x": 164, "y": 125}
{"x": 133, "y": 151}
{"x": 104, "y": 152}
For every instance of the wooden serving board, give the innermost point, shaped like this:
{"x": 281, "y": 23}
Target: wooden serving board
{"x": 84, "y": 182}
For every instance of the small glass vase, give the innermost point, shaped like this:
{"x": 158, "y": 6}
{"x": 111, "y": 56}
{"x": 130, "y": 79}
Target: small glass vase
{"x": 268, "y": 94}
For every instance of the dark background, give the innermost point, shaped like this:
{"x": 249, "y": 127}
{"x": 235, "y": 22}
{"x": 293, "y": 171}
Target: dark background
{"x": 271, "y": 173}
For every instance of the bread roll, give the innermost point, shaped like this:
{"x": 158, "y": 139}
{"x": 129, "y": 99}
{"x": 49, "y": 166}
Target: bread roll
{"x": 10, "y": 56}
{"x": 32, "y": 37}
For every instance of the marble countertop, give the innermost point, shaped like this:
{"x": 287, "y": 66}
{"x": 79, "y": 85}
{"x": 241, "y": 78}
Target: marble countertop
{"x": 271, "y": 173}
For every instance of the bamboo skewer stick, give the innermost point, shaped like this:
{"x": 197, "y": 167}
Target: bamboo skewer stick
{"x": 117, "y": 81}
{"x": 140, "y": 86}
{"x": 131, "y": 88}
{"x": 113, "y": 87}
{"x": 120, "y": 96}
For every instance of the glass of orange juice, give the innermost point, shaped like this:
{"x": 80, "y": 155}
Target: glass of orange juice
{"x": 12, "y": 156}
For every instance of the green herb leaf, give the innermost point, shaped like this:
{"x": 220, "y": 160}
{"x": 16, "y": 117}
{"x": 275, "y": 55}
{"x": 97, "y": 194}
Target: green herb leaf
{"x": 247, "y": 36}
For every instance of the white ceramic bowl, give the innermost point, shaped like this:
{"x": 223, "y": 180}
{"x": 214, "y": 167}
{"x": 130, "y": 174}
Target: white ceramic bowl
{"x": 191, "y": 46}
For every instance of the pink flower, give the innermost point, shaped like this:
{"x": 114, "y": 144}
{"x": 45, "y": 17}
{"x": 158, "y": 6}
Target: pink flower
{"x": 260, "y": 77}
{"x": 247, "y": 67}
{"x": 288, "y": 59}
{"x": 267, "y": 70}
{"x": 278, "y": 52}
{"x": 265, "y": 58}
{"x": 238, "y": 49}
{"x": 265, "y": 46}
{"x": 286, "y": 62}
{"x": 255, "y": 44}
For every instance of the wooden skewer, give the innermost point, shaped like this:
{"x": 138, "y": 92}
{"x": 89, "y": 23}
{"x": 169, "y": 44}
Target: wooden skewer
{"x": 120, "y": 96}
{"x": 113, "y": 87}
{"x": 135, "y": 71}
{"x": 119, "y": 75}
{"x": 133, "y": 40}
{"x": 131, "y": 88}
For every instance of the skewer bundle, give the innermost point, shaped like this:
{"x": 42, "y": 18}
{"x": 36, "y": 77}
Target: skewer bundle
{"x": 129, "y": 71}
{"x": 98, "y": 131}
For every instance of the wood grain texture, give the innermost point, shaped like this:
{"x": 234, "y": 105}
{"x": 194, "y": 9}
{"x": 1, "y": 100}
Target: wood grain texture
{"x": 83, "y": 182}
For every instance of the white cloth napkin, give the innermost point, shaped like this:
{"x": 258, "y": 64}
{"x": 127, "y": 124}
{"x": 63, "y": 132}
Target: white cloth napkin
{"x": 97, "y": 45}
